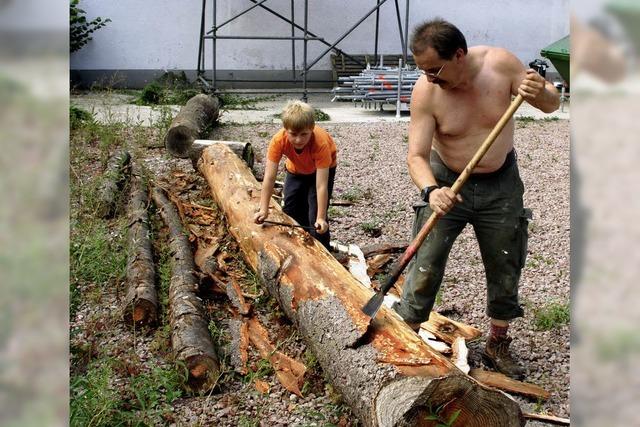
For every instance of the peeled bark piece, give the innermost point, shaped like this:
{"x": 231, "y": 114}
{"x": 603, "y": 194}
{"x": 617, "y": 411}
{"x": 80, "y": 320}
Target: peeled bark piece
{"x": 324, "y": 301}
{"x": 190, "y": 336}
{"x": 289, "y": 371}
{"x": 501, "y": 381}
{"x": 548, "y": 419}
{"x": 141, "y": 301}
{"x": 448, "y": 330}
{"x": 112, "y": 181}
{"x": 198, "y": 114}
{"x": 239, "y": 329}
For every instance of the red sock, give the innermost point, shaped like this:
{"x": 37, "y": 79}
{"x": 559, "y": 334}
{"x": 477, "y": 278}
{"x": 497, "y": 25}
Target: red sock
{"x": 498, "y": 331}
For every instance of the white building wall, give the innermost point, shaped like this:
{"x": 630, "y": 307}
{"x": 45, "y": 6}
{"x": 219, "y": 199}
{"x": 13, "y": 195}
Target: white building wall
{"x": 163, "y": 34}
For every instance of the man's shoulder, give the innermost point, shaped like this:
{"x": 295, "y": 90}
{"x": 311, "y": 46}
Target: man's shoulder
{"x": 499, "y": 58}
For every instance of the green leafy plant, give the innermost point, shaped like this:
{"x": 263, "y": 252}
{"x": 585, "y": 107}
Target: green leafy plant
{"x": 320, "y": 116}
{"x": 78, "y": 117}
{"x": 80, "y": 28}
{"x": 551, "y": 316}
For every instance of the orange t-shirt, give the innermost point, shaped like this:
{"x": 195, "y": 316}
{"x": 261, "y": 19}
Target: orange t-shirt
{"x": 319, "y": 153}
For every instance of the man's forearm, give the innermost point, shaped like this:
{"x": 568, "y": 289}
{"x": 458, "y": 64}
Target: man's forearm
{"x": 549, "y": 100}
{"x": 323, "y": 202}
{"x": 420, "y": 172}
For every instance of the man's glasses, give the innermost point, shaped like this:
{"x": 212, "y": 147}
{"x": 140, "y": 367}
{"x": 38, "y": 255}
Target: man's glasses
{"x": 433, "y": 75}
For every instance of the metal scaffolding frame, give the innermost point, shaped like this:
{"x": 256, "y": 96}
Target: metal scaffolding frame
{"x": 307, "y": 36}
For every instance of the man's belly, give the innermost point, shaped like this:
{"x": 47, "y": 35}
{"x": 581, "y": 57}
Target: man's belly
{"x": 457, "y": 152}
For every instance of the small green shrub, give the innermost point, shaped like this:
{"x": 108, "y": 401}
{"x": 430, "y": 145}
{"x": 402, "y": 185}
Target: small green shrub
{"x": 151, "y": 94}
{"x": 78, "y": 117}
{"x": 551, "y": 316}
{"x": 321, "y": 116}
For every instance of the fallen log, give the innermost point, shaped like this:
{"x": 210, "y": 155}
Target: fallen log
{"x": 112, "y": 181}
{"x": 191, "y": 123}
{"x": 141, "y": 300}
{"x": 190, "y": 338}
{"x": 384, "y": 371}
{"x": 244, "y": 150}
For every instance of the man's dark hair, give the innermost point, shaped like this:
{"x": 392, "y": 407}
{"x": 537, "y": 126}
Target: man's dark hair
{"x": 439, "y": 34}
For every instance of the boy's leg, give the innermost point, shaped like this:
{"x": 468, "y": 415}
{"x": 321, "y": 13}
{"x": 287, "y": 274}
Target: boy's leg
{"x": 295, "y": 198}
{"x": 312, "y": 200}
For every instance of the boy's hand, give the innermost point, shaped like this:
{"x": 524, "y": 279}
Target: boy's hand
{"x": 260, "y": 216}
{"x": 321, "y": 226}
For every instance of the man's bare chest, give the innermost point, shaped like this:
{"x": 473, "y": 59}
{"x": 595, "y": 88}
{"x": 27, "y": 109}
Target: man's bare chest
{"x": 462, "y": 114}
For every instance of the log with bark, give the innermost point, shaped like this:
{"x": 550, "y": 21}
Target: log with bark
{"x": 113, "y": 180}
{"x": 191, "y": 123}
{"x": 190, "y": 338}
{"x": 244, "y": 150}
{"x": 141, "y": 301}
{"x": 384, "y": 371}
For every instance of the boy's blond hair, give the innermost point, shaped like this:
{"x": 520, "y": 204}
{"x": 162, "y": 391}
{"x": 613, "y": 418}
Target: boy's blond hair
{"x": 298, "y": 116}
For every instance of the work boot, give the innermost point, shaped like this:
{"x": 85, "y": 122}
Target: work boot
{"x": 496, "y": 355}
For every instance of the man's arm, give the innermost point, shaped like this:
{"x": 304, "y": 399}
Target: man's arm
{"x": 421, "y": 129}
{"x": 322, "y": 195}
{"x": 268, "y": 182}
{"x": 528, "y": 83}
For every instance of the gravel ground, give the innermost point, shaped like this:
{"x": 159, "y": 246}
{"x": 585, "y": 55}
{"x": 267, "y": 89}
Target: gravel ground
{"x": 372, "y": 172}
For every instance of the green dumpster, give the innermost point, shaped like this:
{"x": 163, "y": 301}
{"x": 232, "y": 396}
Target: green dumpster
{"x": 628, "y": 13}
{"x": 558, "y": 54}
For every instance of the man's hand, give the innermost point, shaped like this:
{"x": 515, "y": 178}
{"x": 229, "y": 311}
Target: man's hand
{"x": 442, "y": 200}
{"x": 260, "y": 216}
{"x": 532, "y": 85}
{"x": 321, "y": 226}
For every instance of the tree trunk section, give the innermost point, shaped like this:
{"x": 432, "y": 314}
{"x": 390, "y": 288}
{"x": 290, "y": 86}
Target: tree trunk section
{"x": 190, "y": 338}
{"x": 385, "y": 372}
{"x": 244, "y": 150}
{"x": 198, "y": 114}
{"x": 112, "y": 181}
{"x": 141, "y": 301}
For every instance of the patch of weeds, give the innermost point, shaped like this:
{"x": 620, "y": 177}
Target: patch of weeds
{"x": 93, "y": 401}
{"x": 169, "y": 89}
{"x": 525, "y": 119}
{"x": 439, "y": 296}
{"x": 165, "y": 117}
{"x": 155, "y": 389}
{"x": 247, "y": 421}
{"x": 161, "y": 343}
{"x": 310, "y": 360}
{"x": 96, "y": 255}
{"x": 551, "y": 316}
{"x": 550, "y": 119}
{"x": 320, "y": 116}
{"x": 353, "y": 194}
{"x": 371, "y": 228}
{"x": 78, "y": 117}
{"x": 263, "y": 369}
{"x": 219, "y": 336}
{"x": 405, "y": 139}
{"x": 263, "y": 134}
{"x": 151, "y": 94}
{"x": 335, "y": 212}
{"x": 232, "y": 101}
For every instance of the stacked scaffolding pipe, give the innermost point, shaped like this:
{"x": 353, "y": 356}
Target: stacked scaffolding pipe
{"x": 377, "y": 86}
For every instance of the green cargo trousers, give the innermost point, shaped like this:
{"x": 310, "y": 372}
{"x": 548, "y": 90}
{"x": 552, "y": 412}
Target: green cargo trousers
{"x": 492, "y": 204}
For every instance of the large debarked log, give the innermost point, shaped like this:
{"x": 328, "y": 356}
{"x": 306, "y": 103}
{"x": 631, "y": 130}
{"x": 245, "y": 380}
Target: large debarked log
{"x": 198, "y": 114}
{"x": 141, "y": 301}
{"x": 190, "y": 338}
{"x": 385, "y": 372}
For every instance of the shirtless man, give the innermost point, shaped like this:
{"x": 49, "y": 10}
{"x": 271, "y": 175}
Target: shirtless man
{"x": 454, "y": 106}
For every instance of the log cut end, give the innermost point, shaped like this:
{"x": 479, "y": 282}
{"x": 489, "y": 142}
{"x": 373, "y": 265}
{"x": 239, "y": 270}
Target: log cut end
{"x": 421, "y": 401}
{"x": 179, "y": 139}
{"x": 141, "y": 313}
{"x": 203, "y": 372}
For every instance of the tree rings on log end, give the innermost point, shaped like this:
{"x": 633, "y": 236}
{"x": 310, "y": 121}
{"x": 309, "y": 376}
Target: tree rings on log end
{"x": 141, "y": 313}
{"x": 203, "y": 373}
{"x": 421, "y": 401}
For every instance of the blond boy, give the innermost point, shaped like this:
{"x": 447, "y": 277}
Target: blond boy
{"x": 311, "y": 159}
